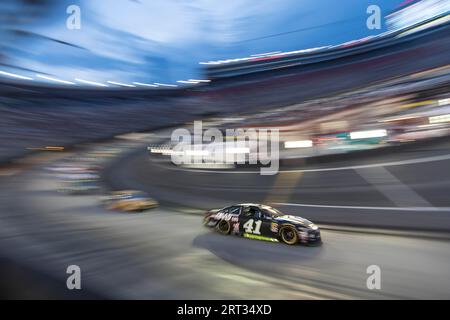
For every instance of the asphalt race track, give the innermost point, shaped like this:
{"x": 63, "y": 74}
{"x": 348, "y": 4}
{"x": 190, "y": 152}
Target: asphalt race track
{"x": 166, "y": 253}
{"x": 405, "y": 189}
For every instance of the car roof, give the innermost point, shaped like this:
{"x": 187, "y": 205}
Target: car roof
{"x": 250, "y": 204}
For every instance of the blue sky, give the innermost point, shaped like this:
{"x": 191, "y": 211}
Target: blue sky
{"x": 163, "y": 40}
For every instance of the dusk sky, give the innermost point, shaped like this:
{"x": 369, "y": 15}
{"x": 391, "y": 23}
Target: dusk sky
{"x": 164, "y": 40}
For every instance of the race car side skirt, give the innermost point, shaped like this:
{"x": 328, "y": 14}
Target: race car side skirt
{"x": 258, "y": 237}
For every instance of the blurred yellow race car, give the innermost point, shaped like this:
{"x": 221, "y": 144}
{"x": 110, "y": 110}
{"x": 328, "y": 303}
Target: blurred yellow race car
{"x": 129, "y": 201}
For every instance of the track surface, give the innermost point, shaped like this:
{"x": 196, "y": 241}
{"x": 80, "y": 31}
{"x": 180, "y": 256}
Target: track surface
{"x": 168, "y": 254}
{"x": 407, "y": 189}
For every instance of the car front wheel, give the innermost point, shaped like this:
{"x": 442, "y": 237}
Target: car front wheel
{"x": 288, "y": 235}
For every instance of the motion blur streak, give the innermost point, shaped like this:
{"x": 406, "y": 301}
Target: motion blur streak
{"x": 86, "y": 176}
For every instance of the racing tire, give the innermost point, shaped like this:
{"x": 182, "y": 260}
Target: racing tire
{"x": 288, "y": 235}
{"x": 224, "y": 227}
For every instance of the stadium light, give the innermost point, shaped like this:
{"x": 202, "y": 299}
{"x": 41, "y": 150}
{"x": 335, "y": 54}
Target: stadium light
{"x": 265, "y": 54}
{"x": 121, "y": 84}
{"x": 145, "y": 84}
{"x": 165, "y": 84}
{"x": 13, "y": 75}
{"x": 187, "y": 82}
{"x": 439, "y": 119}
{"x": 298, "y": 144}
{"x": 93, "y": 83}
{"x": 203, "y": 80}
{"x": 54, "y": 79}
{"x": 368, "y": 134}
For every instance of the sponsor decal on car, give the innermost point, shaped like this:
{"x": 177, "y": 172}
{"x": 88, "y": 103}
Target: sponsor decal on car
{"x": 224, "y": 216}
{"x": 274, "y": 227}
{"x": 236, "y": 227}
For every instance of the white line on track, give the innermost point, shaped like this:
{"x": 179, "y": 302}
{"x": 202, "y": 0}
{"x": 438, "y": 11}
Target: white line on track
{"x": 436, "y": 209}
{"x": 374, "y": 165}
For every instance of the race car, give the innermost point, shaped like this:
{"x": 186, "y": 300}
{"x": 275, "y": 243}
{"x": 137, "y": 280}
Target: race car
{"x": 261, "y": 222}
{"x": 129, "y": 201}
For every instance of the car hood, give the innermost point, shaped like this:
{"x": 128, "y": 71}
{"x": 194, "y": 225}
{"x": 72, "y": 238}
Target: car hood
{"x": 293, "y": 219}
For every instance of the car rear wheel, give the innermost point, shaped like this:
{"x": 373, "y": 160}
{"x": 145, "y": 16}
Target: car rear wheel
{"x": 288, "y": 235}
{"x": 224, "y": 227}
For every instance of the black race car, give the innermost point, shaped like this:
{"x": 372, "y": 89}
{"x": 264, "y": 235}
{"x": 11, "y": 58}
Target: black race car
{"x": 262, "y": 222}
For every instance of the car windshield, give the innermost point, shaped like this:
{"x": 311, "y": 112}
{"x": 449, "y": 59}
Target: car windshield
{"x": 272, "y": 211}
